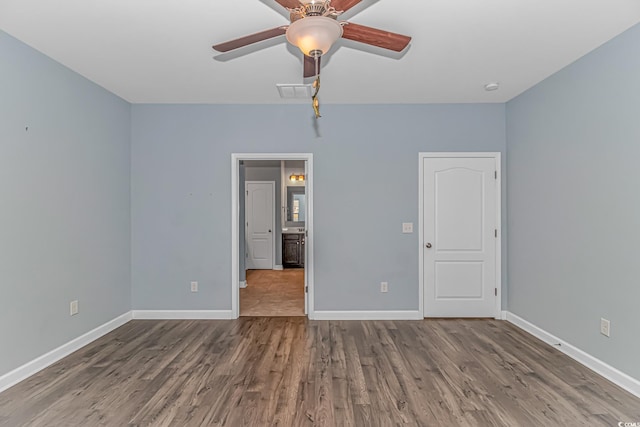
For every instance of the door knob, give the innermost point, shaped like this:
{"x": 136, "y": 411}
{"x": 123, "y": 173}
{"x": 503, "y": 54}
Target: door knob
{"x": 269, "y": 231}
{"x": 428, "y": 245}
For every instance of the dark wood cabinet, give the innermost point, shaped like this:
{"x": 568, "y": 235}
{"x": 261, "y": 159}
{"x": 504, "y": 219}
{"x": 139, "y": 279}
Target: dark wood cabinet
{"x": 293, "y": 250}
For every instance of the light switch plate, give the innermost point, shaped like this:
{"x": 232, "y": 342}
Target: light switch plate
{"x": 407, "y": 227}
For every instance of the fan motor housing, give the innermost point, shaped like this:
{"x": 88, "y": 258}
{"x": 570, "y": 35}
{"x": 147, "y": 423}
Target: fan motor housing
{"x": 317, "y": 8}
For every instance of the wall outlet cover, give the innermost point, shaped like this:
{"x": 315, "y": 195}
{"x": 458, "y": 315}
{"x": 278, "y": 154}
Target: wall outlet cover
{"x": 384, "y": 287}
{"x": 605, "y": 327}
{"x": 73, "y": 307}
{"x": 194, "y": 286}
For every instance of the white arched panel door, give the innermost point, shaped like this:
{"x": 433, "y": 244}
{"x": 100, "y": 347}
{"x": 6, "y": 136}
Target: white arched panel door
{"x": 460, "y": 236}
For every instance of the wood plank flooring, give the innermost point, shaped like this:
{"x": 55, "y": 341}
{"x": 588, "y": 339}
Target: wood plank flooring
{"x": 289, "y": 371}
{"x": 273, "y": 293}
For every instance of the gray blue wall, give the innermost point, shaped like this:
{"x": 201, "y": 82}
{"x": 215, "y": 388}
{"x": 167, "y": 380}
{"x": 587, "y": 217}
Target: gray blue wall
{"x": 574, "y": 203}
{"x": 64, "y": 197}
{"x": 181, "y": 193}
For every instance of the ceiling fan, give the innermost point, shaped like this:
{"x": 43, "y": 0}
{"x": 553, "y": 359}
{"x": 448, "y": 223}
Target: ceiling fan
{"x": 314, "y": 28}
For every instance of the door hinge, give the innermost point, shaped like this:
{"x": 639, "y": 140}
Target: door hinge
{"x": 247, "y": 192}
{"x": 495, "y": 291}
{"x": 495, "y": 174}
{"x": 495, "y": 233}
{"x": 306, "y": 289}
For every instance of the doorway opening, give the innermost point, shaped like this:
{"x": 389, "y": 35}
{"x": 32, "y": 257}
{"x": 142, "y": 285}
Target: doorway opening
{"x": 272, "y": 234}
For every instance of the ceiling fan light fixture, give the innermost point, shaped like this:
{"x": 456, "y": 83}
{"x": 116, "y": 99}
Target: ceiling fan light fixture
{"x": 314, "y": 35}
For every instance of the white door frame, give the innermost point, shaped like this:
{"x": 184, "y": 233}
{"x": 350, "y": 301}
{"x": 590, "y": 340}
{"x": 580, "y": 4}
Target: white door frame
{"x": 235, "y": 220}
{"x": 273, "y": 218}
{"x": 494, "y": 155}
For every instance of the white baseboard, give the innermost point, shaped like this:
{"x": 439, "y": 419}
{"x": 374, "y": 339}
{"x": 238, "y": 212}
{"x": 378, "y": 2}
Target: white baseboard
{"x": 627, "y": 382}
{"x": 182, "y": 314}
{"x": 243, "y": 283}
{"x": 36, "y": 365}
{"x": 278, "y": 267}
{"x": 367, "y": 315}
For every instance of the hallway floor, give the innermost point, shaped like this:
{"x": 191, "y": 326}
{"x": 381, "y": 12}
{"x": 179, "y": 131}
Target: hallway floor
{"x": 273, "y": 293}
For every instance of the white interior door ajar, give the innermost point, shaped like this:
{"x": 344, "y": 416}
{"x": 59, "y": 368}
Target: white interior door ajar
{"x": 460, "y": 235}
{"x": 260, "y": 223}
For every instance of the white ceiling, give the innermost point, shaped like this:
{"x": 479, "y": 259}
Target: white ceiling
{"x": 159, "y": 51}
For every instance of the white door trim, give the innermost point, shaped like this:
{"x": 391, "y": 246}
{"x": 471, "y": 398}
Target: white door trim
{"x": 273, "y": 217}
{"x": 497, "y": 157}
{"x": 235, "y": 220}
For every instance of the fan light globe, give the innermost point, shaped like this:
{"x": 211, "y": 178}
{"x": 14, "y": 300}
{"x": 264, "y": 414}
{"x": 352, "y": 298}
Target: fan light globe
{"x": 314, "y": 35}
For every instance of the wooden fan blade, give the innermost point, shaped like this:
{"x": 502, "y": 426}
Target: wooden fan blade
{"x": 250, "y": 39}
{"x": 375, "y": 37}
{"x": 310, "y": 66}
{"x": 288, "y": 4}
{"x": 344, "y": 5}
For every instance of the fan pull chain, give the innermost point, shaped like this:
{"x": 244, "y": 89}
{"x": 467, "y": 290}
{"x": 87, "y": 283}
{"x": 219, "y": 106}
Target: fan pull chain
{"x": 316, "y": 85}
{"x": 316, "y": 103}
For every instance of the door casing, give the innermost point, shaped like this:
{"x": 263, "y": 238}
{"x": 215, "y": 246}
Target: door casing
{"x": 421, "y": 225}
{"x": 235, "y": 221}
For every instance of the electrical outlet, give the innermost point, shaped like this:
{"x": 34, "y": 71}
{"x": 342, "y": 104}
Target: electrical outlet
{"x": 407, "y": 227}
{"x": 384, "y": 286}
{"x": 605, "y": 327}
{"x": 194, "y": 286}
{"x": 73, "y": 307}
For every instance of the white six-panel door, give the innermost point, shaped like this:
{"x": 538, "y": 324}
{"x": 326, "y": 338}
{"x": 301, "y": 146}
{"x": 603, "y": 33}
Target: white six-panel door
{"x": 460, "y": 235}
{"x": 259, "y": 213}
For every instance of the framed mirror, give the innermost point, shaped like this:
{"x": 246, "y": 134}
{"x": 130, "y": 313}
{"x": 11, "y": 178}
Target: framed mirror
{"x": 296, "y": 206}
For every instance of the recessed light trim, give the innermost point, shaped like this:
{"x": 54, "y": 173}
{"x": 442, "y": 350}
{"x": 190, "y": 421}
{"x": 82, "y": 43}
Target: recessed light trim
{"x": 491, "y": 86}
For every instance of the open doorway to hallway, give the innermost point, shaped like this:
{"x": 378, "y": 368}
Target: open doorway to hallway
{"x": 274, "y": 214}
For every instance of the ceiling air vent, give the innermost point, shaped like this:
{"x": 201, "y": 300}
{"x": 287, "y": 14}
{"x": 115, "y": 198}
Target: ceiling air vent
{"x": 294, "y": 91}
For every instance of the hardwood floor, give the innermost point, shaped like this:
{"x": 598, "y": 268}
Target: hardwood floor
{"x": 273, "y": 293}
{"x": 289, "y": 371}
